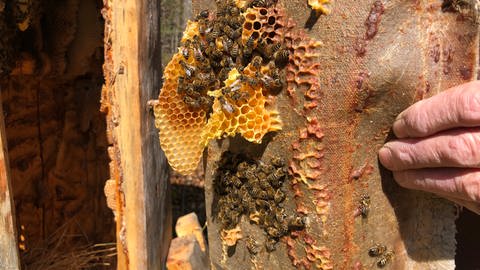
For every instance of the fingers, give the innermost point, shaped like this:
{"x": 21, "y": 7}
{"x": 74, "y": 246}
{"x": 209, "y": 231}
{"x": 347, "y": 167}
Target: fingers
{"x": 454, "y": 183}
{"x": 452, "y": 148}
{"x": 456, "y": 107}
{"x": 472, "y": 206}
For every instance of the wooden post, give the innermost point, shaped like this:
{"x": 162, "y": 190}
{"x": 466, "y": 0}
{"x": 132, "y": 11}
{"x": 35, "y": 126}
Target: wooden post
{"x": 138, "y": 167}
{"x": 9, "y": 259}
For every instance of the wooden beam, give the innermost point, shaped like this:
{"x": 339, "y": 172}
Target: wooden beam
{"x": 9, "y": 258}
{"x": 138, "y": 167}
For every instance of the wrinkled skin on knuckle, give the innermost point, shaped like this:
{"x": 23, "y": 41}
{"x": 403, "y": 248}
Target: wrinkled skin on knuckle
{"x": 465, "y": 148}
{"x": 468, "y": 104}
{"x": 417, "y": 122}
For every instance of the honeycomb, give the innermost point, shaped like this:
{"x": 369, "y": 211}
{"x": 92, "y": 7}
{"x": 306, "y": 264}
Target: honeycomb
{"x": 319, "y": 6}
{"x": 230, "y": 237}
{"x": 251, "y": 118}
{"x": 215, "y": 86}
{"x": 178, "y": 124}
{"x": 319, "y": 256}
{"x": 262, "y": 23}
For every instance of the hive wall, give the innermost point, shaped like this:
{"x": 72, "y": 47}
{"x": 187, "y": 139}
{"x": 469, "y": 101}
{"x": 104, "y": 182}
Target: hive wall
{"x": 55, "y": 132}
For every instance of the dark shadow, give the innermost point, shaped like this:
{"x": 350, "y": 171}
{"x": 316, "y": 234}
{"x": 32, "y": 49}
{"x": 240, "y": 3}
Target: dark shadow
{"x": 312, "y": 19}
{"x": 187, "y": 199}
{"x": 468, "y": 240}
{"x": 419, "y": 237}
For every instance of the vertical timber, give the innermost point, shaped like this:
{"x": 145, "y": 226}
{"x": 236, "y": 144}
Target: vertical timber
{"x": 9, "y": 258}
{"x": 138, "y": 167}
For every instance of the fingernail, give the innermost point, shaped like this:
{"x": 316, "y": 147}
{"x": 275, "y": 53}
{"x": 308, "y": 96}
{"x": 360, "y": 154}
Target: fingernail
{"x": 399, "y": 127}
{"x": 384, "y": 155}
{"x": 399, "y": 116}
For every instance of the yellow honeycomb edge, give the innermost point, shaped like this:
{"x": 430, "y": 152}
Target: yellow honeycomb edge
{"x": 319, "y": 6}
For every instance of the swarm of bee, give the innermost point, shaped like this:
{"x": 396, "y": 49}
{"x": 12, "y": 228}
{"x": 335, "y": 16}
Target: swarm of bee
{"x": 219, "y": 48}
{"x": 221, "y": 80}
{"x": 254, "y": 189}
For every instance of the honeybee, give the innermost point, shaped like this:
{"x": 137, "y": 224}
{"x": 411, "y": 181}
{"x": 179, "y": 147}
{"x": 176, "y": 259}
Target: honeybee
{"x": 296, "y": 222}
{"x": 258, "y": 193}
{"x": 385, "y": 259}
{"x": 262, "y": 176}
{"x": 234, "y": 51}
{"x": 251, "y": 206}
{"x": 185, "y": 52}
{"x": 377, "y": 250}
{"x": 279, "y": 196}
{"x": 227, "y": 44}
{"x": 275, "y": 47}
{"x": 262, "y": 203}
{"x": 181, "y": 85}
{"x": 215, "y": 31}
{"x": 204, "y": 14}
{"x": 206, "y": 102}
{"x": 262, "y": 183}
{"x": 226, "y": 106}
{"x": 234, "y": 11}
{"x": 272, "y": 85}
{"x": 242, "y": 166}
{"x": 237, "y": 33}
{"x": 236, "y": 181}
{"x": 191, "y": 102}
{"x": 258, "y": 3}
{"x": 240, "y": 96}
{"x": 202, "y": 27}
{"x": 270, "y": 192}
{"x": 252, "y": 245}
{"x": 280, "y": 215}
{"x": 189, "y": 70}
{"x": 197, "y": 53}
{"x": 266, "y": 168}
{"x": 273, "y": 232}
{"x": 250, "y": 172}
{"x": 250, "y": 42}
{"x": 277, "y": 161}
{"x": 364, "y": 206}
{"x": 252, "y": 81}
{"x": 275, "y": 178}
{"x": 270, "y": 244}
{"x": 281, "y": 58}
{"x": 257, "y": 62}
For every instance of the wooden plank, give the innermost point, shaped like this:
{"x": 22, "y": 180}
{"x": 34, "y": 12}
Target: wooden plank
{"x": 138, "y": 167}
{"x": 9, "y": 258}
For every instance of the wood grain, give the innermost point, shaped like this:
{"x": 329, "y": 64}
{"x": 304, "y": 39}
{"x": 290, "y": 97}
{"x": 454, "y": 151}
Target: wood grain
{"x": 138, "y": 167}
{"x": 9, "y": 259}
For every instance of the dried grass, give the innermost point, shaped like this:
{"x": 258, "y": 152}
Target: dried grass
{"x": 59, "y": 251}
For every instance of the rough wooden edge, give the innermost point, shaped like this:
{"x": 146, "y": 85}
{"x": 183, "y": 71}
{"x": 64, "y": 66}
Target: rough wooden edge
{"x": 138, "y": 167}
{"x": 9, "y": 257}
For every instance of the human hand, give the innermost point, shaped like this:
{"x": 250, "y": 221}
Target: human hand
{"x": 438, "y": 146}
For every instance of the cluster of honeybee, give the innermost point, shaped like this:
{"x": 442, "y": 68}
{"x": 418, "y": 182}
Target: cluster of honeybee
{"x": 219, "y": 48}
{"x": 254, "y": 189}
{"x": 379, "y": 250}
